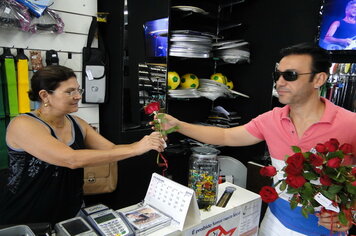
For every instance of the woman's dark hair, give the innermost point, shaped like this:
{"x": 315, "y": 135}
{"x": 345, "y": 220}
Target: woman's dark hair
{"x": 48, "y": 79}
{"x": 320, "y": 57}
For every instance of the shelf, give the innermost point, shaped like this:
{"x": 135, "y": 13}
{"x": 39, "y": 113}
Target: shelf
{"x": 230, "y": 3}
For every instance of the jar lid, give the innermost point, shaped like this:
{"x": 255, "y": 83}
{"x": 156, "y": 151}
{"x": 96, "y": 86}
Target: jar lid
{"x": 205, "y": 151}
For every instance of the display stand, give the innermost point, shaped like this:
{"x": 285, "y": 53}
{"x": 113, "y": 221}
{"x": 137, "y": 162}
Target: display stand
{"x": 173, "y": 199}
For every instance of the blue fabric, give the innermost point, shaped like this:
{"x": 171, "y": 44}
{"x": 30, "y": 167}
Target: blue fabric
{"x": 294, "y": 220}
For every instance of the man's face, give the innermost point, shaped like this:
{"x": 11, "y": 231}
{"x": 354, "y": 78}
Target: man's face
{"x": 300, "y": 90}
{"x": 351, "y": 10}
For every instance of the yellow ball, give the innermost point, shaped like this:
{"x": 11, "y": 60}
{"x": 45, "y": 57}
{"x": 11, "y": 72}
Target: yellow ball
{"x": 218, "y": 77}
{"x": 189, "y": 81}
{"x": 173, "y": 80}
{"x": 230, "y": 84}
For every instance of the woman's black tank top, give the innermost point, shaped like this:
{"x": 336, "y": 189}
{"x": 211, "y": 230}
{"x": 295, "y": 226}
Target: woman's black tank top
{"x": 37, "y": 191}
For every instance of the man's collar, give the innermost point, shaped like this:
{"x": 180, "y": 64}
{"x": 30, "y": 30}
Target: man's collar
{"x": 328, "y": 115}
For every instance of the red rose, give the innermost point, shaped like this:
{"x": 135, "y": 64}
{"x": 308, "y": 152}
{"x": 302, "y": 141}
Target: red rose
{"x": 297, "y": 159}
{"x": 346, "y": 148}
{"x": 295, "y": 181}
{"x": 325, "y": 180}
{"x": 320, "y": 148}
{"x": 293, "y": 170}
{"x": 152, "y": 107}
{"x": 353, "y": 171}
{"x": 334, "y": 141}
{"x": 316, "y": 160}
{"x": 268, "y": 171}
{"x": 354, "y": 183}
{"x": 268, "y": 194}
{"x": 334, "y": 162}
{"x": 332, "y": 145}
{"x": 317, "y": 170}
{"x": 295, "y": 164}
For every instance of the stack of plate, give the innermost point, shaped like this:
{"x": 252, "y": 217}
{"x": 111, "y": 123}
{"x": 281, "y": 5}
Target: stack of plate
{"x": 184, "y": 93}
{"x": 192, "y": 44}
{"x": 191, "y": 8}
{"x": 212, "y": 89}
{"x": 232, "y": 51}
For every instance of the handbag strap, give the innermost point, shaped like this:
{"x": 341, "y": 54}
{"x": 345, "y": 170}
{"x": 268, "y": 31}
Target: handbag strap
{"x": 94, "y": 28}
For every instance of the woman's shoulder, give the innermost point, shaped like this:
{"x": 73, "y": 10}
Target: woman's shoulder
{"x": 23, "y": 120}
{"x": 79, "y": 120}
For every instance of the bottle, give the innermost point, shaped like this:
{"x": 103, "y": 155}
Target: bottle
{"x": 203, "y": 175}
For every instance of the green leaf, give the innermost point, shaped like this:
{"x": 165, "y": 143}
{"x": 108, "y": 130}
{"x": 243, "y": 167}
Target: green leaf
{"x": 307, "y": 191}
{"x": 334, "y": 189}
{"x": 310, "y": 209}
{"x": 331, "y": 196}
{"x": 306, "y": 155}
{"x": 160, "y": 116}
{"x": 283, "y": 186}
{"x": 304, "y": 212}
{"x": 172, "y": 129}
{"x": 296, "y": 149}
{"x": 334, "y": 154}
{"x": 310, "y": 175}
{"x": 351, "y": 189}
{"x": 292, "y": 190}
{"x": 342, "y": 218}
{"x": 293, "y": 203}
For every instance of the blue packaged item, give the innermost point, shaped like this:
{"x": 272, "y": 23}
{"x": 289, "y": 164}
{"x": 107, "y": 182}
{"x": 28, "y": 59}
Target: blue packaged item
{"x": 36, "y": 6}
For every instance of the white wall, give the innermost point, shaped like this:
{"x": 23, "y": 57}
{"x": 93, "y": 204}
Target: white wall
{"x": 76, "y": 15}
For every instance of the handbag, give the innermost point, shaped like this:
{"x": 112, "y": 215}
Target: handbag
{"x": 94, "y": 76}
{"x": 100, "y": 179}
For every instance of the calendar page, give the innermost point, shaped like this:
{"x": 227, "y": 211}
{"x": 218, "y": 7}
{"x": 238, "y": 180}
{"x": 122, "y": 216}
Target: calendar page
{"x": 173, "y": 199}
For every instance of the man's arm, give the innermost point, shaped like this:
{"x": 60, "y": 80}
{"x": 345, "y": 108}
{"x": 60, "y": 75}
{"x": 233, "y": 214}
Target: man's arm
{"x": 329, "y": 37}
{"x": 237, "y": 136}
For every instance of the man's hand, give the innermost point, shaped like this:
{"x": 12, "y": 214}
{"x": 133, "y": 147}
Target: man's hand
{"x": 331, "y": 222}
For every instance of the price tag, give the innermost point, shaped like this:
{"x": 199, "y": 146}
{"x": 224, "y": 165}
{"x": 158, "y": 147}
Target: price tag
{"x": 89, "y": 74}
{"x": 325, "y": 202}
{"x": 7, "y": 10}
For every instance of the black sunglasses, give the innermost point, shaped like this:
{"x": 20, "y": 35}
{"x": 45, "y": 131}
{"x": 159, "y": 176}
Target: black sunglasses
{"x": 288, "y": 75}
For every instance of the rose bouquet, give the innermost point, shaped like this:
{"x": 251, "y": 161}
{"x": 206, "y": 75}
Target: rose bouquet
{"x": 316, "y": 179}
{"x": 153, "y": 108}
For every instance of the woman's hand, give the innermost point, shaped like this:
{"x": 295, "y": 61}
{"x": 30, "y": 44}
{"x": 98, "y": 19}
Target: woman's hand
{"x": 149, "y": 142}
{"x": 331, "y": 222}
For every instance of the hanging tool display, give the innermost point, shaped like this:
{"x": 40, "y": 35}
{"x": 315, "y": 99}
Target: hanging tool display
{"x": 341, "y": 85}
{"x": 11, "y": 82}
{"x": 23, "y": 85}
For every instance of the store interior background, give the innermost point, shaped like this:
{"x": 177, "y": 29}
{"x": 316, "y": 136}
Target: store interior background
{"x": 267, "y": 25}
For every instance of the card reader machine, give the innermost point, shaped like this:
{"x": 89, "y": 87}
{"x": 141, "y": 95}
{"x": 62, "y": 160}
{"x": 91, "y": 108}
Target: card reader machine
{"x": 106, "y": 221}
{"x": 76, "y": 226}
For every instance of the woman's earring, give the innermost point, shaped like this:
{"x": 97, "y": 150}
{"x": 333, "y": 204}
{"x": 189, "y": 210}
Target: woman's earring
{"x": 46, "y": 104}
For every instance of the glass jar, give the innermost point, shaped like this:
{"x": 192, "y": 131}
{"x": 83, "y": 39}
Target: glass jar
{"x": 203, "y": 175}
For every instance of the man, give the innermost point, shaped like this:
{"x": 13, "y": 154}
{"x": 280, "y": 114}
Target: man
{"x": 307, "y": 119}
{"x": 342, "y": 32}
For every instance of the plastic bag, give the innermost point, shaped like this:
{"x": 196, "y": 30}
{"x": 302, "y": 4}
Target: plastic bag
{"x": 14, "y": 15}
{"x": 49, "y": 21}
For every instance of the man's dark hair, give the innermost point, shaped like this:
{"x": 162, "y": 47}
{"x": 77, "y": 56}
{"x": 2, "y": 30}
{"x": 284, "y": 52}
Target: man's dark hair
{"x": 48, "y": 79}
{"x": 320, "y": 57}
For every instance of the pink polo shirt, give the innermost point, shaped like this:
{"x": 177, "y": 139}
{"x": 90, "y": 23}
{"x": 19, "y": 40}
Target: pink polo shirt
{"x": 277, "y": 129}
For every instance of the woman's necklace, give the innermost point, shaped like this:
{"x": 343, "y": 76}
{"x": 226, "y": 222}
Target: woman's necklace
{"x": 54, "y": 124}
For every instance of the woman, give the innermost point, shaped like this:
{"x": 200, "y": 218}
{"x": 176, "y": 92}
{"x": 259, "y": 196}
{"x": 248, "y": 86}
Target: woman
{"x": 48, "y": 149}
